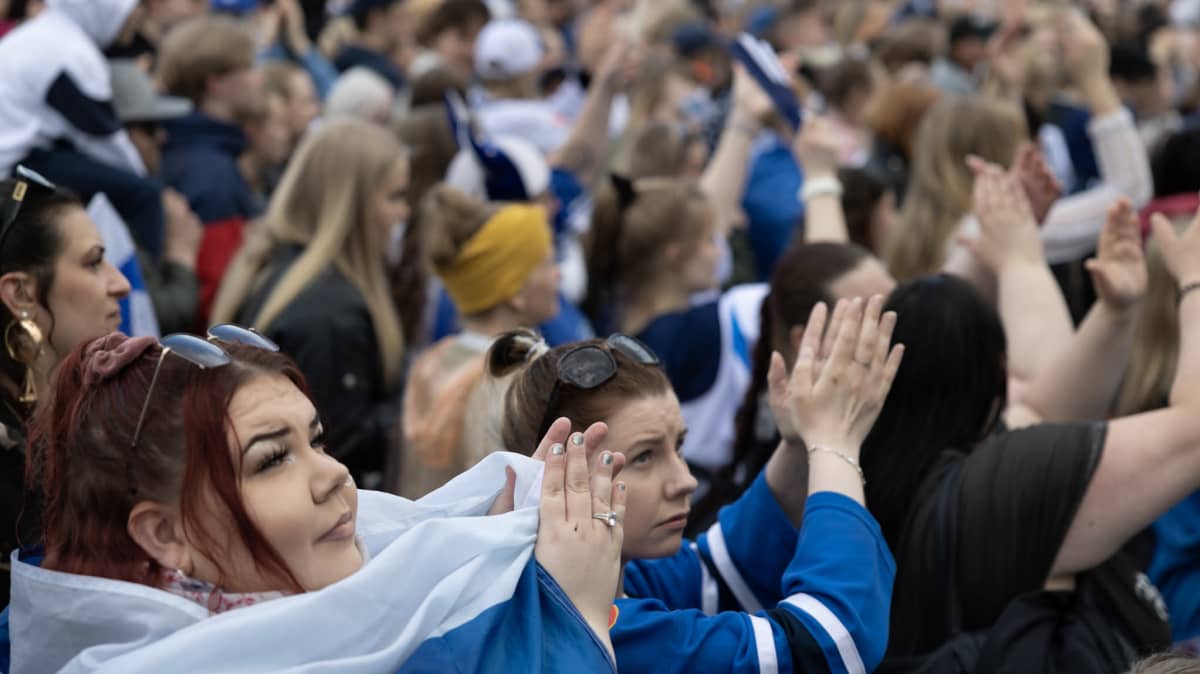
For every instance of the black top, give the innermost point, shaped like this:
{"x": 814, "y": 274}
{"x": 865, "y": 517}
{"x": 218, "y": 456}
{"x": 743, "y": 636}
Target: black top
{"x": 20, "y": 514}
{"x": 327, "y": 330}
{"x": 1020, "y": 491}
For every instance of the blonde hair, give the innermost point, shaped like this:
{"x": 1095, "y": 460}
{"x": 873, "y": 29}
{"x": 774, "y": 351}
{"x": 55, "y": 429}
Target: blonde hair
{"x": 323, "y": 203}
{"x": 449, "y": 218}
{"x": 939, "y": 189}
{"x": 1156, "y": 340}
{"x": 201, "y": 48}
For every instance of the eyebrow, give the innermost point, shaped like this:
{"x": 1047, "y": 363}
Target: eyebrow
{"x": 263, "y": 437}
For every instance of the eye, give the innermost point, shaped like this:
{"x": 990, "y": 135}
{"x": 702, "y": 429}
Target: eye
{"x": 318, "y": 441}
{"x": 276, "y": 458}
{"x": 643, "y": 457}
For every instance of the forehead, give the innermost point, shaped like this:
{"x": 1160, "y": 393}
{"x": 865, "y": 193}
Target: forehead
{"x": 267, "y": 403}
{"x": 866, "y": 279}
{"x": 648, "y": 416}
{"x": 77, "y": 231}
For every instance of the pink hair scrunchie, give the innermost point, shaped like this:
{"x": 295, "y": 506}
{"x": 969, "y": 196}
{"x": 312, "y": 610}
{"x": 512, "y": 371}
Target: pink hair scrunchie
{"x": 106, "y": 356}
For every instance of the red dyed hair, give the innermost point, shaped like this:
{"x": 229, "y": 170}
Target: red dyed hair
{"x": 91, "y": 479}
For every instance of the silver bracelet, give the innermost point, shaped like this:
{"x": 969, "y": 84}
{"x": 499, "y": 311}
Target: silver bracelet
{"x": 843, "y": 457}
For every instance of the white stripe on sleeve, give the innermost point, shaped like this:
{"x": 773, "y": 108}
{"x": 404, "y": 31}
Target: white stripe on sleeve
{"x": 829, "y": 622}
{"x": 764, "y": 643}
{"x": 709, "y": 592}
{"x": 729, "y": 572}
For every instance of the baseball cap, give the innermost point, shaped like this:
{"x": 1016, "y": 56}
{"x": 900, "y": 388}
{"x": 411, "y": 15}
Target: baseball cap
{"x": 507, "y": 48}
{"x": 135, "y": 99}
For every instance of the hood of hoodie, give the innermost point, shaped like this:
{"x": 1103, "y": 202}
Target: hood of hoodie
{"x": 100, "y": 19}
{"x": 198, "y": 128}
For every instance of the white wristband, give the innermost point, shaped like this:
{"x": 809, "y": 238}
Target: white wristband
{"x": 820, "y": 187}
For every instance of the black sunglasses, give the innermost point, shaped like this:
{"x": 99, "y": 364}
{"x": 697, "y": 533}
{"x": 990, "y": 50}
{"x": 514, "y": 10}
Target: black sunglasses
{"x": 590, "y": 366}
{"x": 202, "y": 353}
{"x": 11, "y": 206}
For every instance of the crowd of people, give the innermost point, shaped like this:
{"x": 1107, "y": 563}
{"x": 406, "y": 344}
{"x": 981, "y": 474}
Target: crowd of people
{"x": 600, "y": 335}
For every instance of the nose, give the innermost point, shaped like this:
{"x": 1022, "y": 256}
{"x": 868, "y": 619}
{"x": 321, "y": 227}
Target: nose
{"x": 679, "y": 483}
{"x": 118, "y": 285}
{"x": 330, "y": 477}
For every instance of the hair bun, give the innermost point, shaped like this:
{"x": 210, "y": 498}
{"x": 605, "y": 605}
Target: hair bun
{"x": 514, "y": 349}
{"x": 106, "y": 356}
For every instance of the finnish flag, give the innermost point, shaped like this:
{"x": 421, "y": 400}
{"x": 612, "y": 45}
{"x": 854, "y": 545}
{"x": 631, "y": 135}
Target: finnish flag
{"x": 137, "y": 311}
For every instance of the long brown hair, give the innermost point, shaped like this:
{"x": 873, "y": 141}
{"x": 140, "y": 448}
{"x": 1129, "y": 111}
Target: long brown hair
{"x": 521, "y": 356}
{"x": 92, "y": 479}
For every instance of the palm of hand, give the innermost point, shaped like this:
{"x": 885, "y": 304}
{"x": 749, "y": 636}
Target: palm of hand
{"x": 1119, "y": 269}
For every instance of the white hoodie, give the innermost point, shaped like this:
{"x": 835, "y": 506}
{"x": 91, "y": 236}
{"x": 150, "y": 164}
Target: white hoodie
{"x": 55, "y": 84}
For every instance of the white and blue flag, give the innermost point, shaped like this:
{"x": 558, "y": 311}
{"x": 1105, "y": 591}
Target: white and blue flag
{"x": 137, "y": 311}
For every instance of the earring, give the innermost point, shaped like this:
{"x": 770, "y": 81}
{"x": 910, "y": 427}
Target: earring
{"x": 25, "y": 356}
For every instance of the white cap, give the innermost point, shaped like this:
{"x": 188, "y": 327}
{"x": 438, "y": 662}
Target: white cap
{"x": 466, "y": 172}
{"x": 507, "y": 48}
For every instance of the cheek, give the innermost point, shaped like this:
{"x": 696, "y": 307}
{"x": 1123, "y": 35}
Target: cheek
{"x": 282, "y": 512}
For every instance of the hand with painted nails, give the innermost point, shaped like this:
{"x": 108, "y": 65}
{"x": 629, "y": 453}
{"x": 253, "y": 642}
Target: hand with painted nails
{"x": 581, "y": 528}
{"x": 559, "y": 433}
{"x": 833, "y": 406}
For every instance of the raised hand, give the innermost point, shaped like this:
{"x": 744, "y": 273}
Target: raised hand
{"x": 816, "y": 147}
{"x": 836, "y": 407}
{"x": 1008, "y": 227}
{"x": 1180, "y": 252}
{"x": 1033, "y": 174}
{"x": 749, "y": 99}
{"x": 581, "y": 552}
{"x": 1119, "y": 268}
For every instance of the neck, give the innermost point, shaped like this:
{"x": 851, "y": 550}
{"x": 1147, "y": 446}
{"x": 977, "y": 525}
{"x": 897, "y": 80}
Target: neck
{"x": 495, "y": 322}
{"x": 373, "y": 40}
{"x": 660, "y": 298}
{"x": 251, "y": 169}
{"x": 218, "y": 110}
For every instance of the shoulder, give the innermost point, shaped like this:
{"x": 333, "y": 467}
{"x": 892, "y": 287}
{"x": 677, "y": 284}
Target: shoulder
{"x": 689, "y": 345}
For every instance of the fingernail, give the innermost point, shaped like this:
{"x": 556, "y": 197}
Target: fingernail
{"x": 557, "y": 449}
{"x": 577, "y": 439}
{"x": 621, "y": 487}
{"x": 606, "y": 459}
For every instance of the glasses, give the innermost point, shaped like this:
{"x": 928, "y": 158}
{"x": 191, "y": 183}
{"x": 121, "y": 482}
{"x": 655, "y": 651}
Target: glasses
{"x": 202, "y": 353}
{"x": 11, "y": 206}
{"x": 591, "y": 366}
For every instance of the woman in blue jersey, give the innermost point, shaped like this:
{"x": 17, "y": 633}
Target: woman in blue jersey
{"x": 195, "y": 523}
{"x": 756, "y": 592}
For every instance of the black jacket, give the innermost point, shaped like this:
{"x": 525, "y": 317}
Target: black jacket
{"x": 327, "y": 330}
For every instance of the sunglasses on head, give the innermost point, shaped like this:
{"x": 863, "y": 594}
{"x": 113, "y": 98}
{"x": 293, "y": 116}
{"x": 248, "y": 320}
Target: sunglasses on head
{"x": 11, "y": 206}
{"x": 202, "y": 353}
{"x": 591, "y": 366}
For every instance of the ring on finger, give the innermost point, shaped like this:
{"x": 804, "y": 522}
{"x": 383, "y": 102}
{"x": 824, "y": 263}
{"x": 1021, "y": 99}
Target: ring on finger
{"x": 609, "y": 518}
{"x": 866, "y": 365}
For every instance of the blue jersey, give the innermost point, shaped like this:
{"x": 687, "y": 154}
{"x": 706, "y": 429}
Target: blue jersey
{"x": 719, "y": 605}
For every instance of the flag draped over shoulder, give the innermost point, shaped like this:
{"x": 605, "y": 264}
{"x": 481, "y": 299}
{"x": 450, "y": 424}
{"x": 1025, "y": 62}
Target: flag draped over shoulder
{"x": 444, "y": 590}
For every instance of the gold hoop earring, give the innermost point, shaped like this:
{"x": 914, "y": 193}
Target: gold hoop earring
{"x": 26, "y": 356}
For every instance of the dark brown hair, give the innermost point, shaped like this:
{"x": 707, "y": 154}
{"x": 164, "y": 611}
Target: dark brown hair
{"x": 92, "y": 479}
{"x": 534, "y": 374}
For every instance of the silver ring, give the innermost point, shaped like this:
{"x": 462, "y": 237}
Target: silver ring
{"x": 866, "y": 365}
{"x": 608, "y": 518}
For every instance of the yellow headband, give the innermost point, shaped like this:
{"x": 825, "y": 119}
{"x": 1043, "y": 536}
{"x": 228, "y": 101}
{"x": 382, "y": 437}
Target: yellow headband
{"x": 495, "y": 263}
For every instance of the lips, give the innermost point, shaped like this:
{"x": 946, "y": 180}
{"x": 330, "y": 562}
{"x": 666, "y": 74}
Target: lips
{"x": 342, "y": 530}
{"x": 678, "y": 521}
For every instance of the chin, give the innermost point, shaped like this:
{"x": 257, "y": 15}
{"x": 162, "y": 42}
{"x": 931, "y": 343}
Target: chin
{"x": 656, "y": 549}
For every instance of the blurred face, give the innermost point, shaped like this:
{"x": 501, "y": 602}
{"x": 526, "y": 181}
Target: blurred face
{"x": 389, "y": 204}
{"x": 698, "y": 266}
{"x": 867, "y": 279}
{"x": 806, "y": 30}
{"x": 538, "y": 298}
{"x": 270, "y": 138}
{"x": 650, "y": 432}
{"x": 301, "y": 499}
{"x": 241, "y": 90}
{"x": 83, "y": 298}
{"x": 303, "y": 106}
{"x": 882, "y": 220}
{"x": 396, "y": 25}
{"x": 456, "y": 47}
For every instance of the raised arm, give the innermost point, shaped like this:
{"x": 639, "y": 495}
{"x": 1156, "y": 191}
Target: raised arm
{"x": 724, "y": 179}
{"x": 816, "y": 148}
{"x": 583, "y": 152}
{"x": 1081, "y": 382}
{"x": 1036, "y": 321}
{"x": 1150, "y": 461}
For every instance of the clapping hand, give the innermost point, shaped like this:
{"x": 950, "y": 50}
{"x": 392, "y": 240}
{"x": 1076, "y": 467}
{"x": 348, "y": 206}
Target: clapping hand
{"x": 1008, "y": 227}
{"x": 1119, "y": 268}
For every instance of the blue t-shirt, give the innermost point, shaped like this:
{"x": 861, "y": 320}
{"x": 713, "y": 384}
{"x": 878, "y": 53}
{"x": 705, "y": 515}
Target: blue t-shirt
{"x": 1176, "y": 566}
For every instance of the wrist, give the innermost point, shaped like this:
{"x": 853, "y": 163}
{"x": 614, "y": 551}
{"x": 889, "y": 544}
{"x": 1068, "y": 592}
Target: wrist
{"x": 819, "y": 185}
{"x": 742, "y": 121}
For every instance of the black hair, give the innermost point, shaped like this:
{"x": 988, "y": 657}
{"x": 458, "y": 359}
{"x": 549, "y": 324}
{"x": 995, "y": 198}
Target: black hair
{"x": 948, "y": 394}
{"x": 1174, "y": 164}
{"x": 362, "y": 10}
{"x": 1131, "y": 63}
{"x": 453, "y": 15}
{"x": 32, "y": 245}
{"x": 863, "y": 191}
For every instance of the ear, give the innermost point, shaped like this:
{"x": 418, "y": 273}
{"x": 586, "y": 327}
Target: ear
{"x": 158, "y": 530}
{"x": 18, "y": 291}
{"x": 671, "y": 253}
{"x": 795, "y": 336}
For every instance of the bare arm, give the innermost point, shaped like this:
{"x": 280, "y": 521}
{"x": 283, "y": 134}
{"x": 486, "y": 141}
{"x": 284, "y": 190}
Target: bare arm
{"x": 724, "y": 179}
{"x": 1150, "y": 461}
{"x": 1081, "y": 382}
{"x": 816, "y": 149}
{"x": 585, "y": 146}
